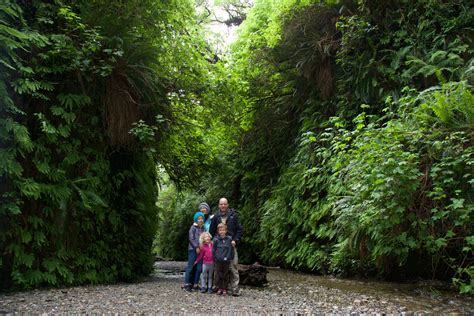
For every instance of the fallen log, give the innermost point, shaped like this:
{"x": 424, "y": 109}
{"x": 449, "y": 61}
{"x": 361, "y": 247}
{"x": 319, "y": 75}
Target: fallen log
{"x": 253, "y": 275}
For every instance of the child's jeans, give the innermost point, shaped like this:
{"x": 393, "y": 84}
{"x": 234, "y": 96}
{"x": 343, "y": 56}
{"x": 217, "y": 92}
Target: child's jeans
{"x": 206, "y": 275}
{"x": 193, "y": 271}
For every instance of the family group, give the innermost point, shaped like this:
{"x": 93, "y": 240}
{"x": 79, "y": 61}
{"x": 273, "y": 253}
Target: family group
{"x": 212, "y": 251}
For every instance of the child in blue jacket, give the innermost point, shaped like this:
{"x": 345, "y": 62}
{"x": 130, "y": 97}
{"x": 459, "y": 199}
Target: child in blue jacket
{"x": 223, "y": 252}
{"x": 191, "y": 277}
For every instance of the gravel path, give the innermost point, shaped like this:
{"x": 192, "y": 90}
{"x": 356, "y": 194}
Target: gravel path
{"x": 288, "y": 293}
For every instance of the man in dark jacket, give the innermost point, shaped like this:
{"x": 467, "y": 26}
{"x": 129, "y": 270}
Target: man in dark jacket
{"x": 229, "y": 217}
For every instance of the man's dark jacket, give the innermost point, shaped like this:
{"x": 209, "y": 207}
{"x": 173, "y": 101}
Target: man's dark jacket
{"x": 234, "y": 229}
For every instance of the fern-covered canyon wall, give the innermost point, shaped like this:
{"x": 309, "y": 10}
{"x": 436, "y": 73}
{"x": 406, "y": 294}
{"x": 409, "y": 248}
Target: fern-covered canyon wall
{"x": 367, "y": 167}
{"x": 87, "y": 91}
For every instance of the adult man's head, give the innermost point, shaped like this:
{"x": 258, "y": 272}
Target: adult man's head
{"x": 223, "y": 206}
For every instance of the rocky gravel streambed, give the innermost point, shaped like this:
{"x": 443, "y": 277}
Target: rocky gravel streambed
{"x": 288, "y": 293}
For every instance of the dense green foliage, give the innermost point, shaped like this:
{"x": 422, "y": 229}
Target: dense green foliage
{"x": 386, "y": 185}
{"x": 175, "y": 218}
{"x": 86, "y": 115}
{"x": 354, "y": 151}
{"x": 341, "y": 131}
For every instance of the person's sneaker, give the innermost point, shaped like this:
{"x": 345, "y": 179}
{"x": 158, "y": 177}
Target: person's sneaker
{"x": 203, "y": 290}
{"x": 219, "y": 291}
{"x": 196, "y": 288}
{"x": 210, "y": 291}
{"x": 224, "y": 292}
{"x": 236, "y": 293}
{"x": 187, "y": 287}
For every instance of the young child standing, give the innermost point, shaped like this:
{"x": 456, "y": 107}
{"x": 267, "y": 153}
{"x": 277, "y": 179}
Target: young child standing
{"x": 205, "y": 254}
{"x": 223, "y": 252}
{"x": 191, "y": 277}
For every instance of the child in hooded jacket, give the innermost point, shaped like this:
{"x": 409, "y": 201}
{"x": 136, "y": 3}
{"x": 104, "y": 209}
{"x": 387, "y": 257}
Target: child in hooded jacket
{"x": 223, "y": 252}
{"x": 191, "y": 277}
{"x": 205, "y": 254}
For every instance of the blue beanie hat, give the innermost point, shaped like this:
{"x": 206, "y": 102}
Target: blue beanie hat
{"x": 196, "y": 216}
{"x": 204, "y": 205}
